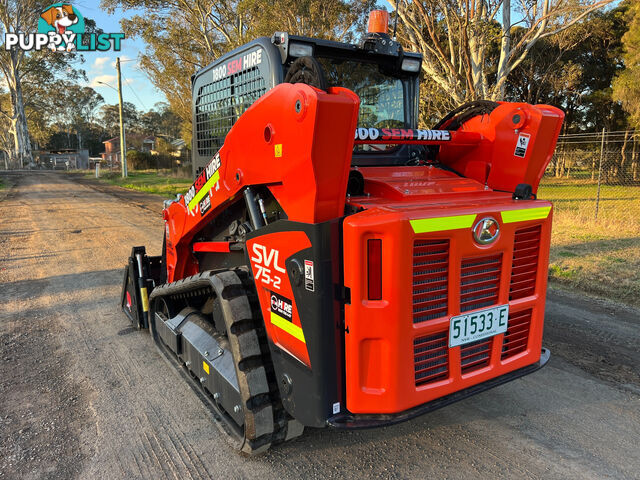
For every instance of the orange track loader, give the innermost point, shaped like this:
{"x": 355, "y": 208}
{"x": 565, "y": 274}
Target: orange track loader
{"x": 335, "y": 265}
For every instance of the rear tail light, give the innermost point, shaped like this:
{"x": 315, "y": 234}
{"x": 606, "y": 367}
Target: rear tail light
{"x": 374, "y": 269}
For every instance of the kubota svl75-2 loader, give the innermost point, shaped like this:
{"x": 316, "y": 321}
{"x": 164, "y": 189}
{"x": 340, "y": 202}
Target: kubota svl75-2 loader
{"x": 333, "y": 264}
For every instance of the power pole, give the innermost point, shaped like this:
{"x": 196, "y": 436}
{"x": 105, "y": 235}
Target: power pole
{"x": 123, "y": 143}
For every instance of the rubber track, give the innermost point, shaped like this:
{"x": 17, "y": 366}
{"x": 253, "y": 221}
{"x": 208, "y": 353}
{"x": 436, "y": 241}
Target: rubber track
{"x": 266, "y": 422}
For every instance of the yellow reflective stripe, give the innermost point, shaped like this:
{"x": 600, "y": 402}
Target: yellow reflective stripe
{"x": 512, "y": 216}
{"x": 204, "y": 191}
{"x": 145, "y": 299}
{"x": 205, "y": 367}
{"x": 287, "y": 326}
{"x": 439, "y": 224}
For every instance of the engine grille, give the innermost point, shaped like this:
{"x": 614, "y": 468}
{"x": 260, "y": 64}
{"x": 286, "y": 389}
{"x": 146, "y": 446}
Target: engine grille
{"x": 430, "y": 279}
{"x": 480, "y": 279}
{"x": 517, "y": 335}
{"x": 526, "y": 249}
{"x": 480, "y": 282}
{"x": 431, "y": 358}
{"x": 476, "y": 355}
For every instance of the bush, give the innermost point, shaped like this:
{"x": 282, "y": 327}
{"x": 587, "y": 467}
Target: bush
{"x": 140, "y": 160}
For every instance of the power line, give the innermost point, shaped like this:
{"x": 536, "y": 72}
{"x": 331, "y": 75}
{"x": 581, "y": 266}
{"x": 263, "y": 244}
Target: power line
{"x": 134, "y": 93}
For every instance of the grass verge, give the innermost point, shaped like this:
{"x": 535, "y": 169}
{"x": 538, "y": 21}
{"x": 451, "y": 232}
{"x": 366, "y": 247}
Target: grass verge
{"x": 597, "y": 256}
{"x": 161, "y": 182}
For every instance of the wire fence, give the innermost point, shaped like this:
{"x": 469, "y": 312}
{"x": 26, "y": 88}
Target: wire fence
{"x": 596, "y": 177}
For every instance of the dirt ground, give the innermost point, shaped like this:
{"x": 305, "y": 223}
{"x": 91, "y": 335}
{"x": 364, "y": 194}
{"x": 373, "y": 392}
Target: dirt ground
{"x": 83, "y": 395}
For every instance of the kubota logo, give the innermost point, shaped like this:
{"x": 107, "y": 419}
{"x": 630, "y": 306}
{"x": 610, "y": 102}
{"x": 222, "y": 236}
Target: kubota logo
{"x": 61, "y": 27}
{"x": 486, "y": 231}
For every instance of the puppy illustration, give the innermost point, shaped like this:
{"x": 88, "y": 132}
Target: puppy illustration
{"x": 60, "y": 18}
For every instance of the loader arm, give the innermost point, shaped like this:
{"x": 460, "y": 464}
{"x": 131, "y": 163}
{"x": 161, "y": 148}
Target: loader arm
{"x": 297, "y": 140}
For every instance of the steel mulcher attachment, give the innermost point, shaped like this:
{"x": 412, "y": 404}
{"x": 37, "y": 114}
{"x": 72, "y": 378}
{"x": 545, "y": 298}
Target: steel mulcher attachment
{"x": 209, "y": 326}
{"x": 141, "y": 275}
{"x": 226, "y": 361}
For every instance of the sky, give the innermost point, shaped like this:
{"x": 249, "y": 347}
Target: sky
{"x": 137, "y": 88}
{"x": 101, "y": 66}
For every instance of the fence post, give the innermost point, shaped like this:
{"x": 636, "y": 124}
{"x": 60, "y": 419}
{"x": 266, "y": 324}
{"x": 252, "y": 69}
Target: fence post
{"x": 600, "y": 173}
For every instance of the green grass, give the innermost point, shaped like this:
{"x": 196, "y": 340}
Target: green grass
{"x": 619, "y": 204}
{"x": 150, "y": 181}
{"x": 2, "y": 185}
{"x": 598, "y": 256}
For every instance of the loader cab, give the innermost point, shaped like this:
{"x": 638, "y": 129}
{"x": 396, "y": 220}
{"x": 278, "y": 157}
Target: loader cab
{"x": 377, "y": 70}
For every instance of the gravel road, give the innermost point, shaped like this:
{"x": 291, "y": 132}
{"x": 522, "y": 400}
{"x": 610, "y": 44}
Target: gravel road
{"x": 83, "y": 395}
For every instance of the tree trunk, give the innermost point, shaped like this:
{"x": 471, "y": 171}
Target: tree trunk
{"x": 21, "y": 145}
{"x": 505, "y": 48}
{"x": 560, "y": 167}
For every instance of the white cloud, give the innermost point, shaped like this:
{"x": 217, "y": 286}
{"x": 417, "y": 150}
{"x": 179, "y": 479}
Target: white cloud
{"x": 100, "y": 62}
{"x": 98, "y": 79}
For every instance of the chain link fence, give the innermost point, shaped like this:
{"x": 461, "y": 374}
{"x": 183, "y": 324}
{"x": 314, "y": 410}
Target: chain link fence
{"x": 596, "y": 178}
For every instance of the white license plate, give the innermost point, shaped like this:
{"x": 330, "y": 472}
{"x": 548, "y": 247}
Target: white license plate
{"x": 477, "y": 325}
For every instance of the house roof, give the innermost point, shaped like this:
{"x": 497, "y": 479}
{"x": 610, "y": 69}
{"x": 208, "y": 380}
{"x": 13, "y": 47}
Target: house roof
{"x": 132, "y": 136}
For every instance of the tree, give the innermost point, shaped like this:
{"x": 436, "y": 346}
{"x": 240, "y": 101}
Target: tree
{"x": 160, "y": 121}
{"x": 110, "y": 118}
{"x": 182, "y": 36}
{"x": 467, "y": 53}
{"x": 29, "y": 75}
{"x": 74, "y": 111}
{"x": 626, "y": 86}
{"x": 150, "y": 122}
{"x": 574, "y": 70}
{"x": 17, "y": 16}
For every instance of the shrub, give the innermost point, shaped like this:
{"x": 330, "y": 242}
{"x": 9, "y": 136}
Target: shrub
{"x": 140, "y": 160}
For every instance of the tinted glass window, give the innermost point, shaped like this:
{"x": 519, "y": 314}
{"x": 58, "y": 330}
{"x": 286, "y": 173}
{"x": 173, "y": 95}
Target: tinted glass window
{"x": 381, "y": 95}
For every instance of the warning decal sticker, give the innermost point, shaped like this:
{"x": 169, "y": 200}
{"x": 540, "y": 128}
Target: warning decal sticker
{"x": 308, "y": 275}
{"x": 522, "y": 145}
